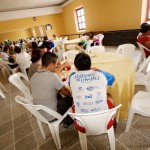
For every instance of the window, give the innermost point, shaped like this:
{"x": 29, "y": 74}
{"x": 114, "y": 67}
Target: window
{"x": 80, "y": 18}
{"x": 33, "y": 31}
{"x": 41, "y": 31}
{"x": 148, "y": 11}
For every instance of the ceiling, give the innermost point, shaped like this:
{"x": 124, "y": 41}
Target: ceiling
{"x": 11, "y": 5}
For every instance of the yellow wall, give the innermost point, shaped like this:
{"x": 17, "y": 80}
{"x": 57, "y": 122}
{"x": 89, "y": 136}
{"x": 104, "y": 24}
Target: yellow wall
{"x": 15, "y": 35}
{"x": 105, "y": 15}
{"x": 55, "y": 20}
{"x": 100, "y": 15}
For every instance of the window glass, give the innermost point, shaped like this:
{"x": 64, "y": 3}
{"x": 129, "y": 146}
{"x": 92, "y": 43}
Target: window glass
{"x": 80, "y": 18}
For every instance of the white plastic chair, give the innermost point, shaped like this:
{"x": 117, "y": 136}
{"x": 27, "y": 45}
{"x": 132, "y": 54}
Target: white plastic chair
{"x": 97, "y": 48}
{"x": 126, "y": 49}
{"x": 71, "y": 46}
{"x": 141, "y": 76}
{"x": 100, "y": 36}
{"x": 5, "y": 68}
{"x": 15, "y": 79}
{"x": 24, "y": 64}
{"x": 70, "y": 54}
{"x": 2, "y": 87}
{"x": 2, "y": 94}
{"x": 140, "y": 105}
{"x": 96, "y": 124}
{"x": 143, "y": 56}
{"x": 53, "y": 126}
{"x": 142, "y": 47}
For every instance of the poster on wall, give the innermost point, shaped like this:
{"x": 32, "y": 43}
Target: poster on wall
{"x": 48, "y": 26}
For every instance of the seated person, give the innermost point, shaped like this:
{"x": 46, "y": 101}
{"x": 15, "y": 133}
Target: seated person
{"x": 144, "y": 38}
{"x": 83, "y": 44}
{"x": 51, "y": 44}
{"x": 45, "y": 85}
{"x": 8, "y": 57}
{"x": 36, "y": 61}
{"x": 55, "y": 37}
{"x": 88, "y": 86}
{"x": 34, "y": 46}
{"x": 43, "y": 48}
{"x": 142, "y": 25}
{"x": 6, "y": 54}
{"x": 94, "y": 38}
{"x": 20, "y": 55}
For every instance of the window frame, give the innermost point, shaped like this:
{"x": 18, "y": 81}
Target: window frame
{"x": 77, "y": 19}
{"x": 148, "y": 11}
{"x": 41, "y": 31}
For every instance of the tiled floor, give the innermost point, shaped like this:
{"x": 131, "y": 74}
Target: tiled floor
{"x": 19, "y": 130}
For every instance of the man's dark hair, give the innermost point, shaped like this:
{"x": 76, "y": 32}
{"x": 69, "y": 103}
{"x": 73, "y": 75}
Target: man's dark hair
{"x": 145, "y": 28}
{"x": 6, "y": 48}
{"x": 36, "y": 55}
{"x": 17, "y": 49}
{"x": 48, "y": 58}
{"x": 80, "y": 44}
{"x": 144, "y": 24}
{"x": 82, "y": 61}
{"x": 34, "y": 45}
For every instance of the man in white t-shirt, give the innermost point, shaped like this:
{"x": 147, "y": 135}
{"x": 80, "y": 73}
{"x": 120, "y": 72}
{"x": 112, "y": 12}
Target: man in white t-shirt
{"x": 89, "y": 86}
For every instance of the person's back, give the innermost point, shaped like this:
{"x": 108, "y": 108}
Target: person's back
{"x": 20, "y": 56}
{"x": 88, "y": 86}
{"x": 88, "y": 91}
{"x": 144, "y": 38}
{"x": 36, "y": 61}
{"x": 44, "y": 87}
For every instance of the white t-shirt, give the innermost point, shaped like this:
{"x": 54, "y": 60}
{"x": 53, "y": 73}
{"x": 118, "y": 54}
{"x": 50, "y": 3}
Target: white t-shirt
{"x": 88, "y": 91}
{"x": 5, "y": 56}
{"x": 21, "y": 56}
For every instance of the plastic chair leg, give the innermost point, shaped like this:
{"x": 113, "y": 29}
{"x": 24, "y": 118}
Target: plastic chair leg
{"x": 83, "y": 140}
{"x": 4, "y": 89}
{"x": 56, "y": 129}
{"x": 41, "y": 128}
{"x": 2, "y": 94}
{"x": 51, "y": 127}
{"x": 111, "y": 138}
{"x": 129, "y": 121}
{"x": 4, "y": 74}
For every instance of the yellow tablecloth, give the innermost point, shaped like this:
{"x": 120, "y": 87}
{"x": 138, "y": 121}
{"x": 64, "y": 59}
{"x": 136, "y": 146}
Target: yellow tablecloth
{"x": 122, "y": 67}
{"x": 75, "y": 41}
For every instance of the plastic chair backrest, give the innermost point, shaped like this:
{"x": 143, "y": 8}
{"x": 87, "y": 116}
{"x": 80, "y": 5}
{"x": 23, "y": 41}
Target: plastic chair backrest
{"x": 143, "y": 65}
{"x": 142, "y": 47}
{"x": 70, "y": 54}
{"x": 24, "y": 64}
{"x": 100, "y": 36}
{"x": 97, "y": 48}
{"x": 89, "y": 44}
{"x": 95, "y": 123}
{"x": 15, "y": 79}
{"x": 125, "y": 49}
{"x": 33, "y": 109}
{"x": 2, "y": 94}
{"x": 5, "y": 67}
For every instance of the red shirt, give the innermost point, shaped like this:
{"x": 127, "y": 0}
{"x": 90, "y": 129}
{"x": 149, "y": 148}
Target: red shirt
{"x": 142, "y": 39}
